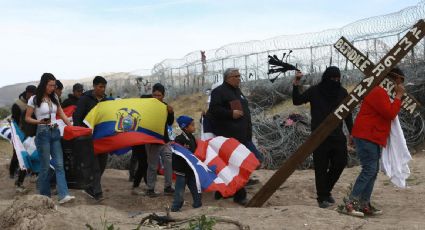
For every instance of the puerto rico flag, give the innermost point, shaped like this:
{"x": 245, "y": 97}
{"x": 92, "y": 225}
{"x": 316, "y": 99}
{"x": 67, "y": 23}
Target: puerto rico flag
{"x": 220, "y": 164}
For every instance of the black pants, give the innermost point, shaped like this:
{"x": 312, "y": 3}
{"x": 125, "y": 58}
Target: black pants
{"x": 14, "y": 165}
{"x": 98, "y": 169}
{"x": 140, "y": 156}
{"x": 330, "y": 159}
{"x": 240, "y": 195}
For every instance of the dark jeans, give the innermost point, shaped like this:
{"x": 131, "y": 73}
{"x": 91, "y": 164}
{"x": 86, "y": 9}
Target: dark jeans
{"x": 330, "y": 159}
{"x": 140, "y": 157}
{"x": 181, "y": 182}
{"x": 48, "y": 145}
{"x": 369, "y": 154}
{"x": 14, "y": 165}
{"x": 99, "y": 166}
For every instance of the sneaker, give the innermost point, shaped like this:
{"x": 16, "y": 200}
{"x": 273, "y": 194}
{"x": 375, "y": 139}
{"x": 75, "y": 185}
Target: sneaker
{"x": 66, "y": 199}
{"x": 99, "y": 197}
{"x": 169, "y": 191}
{"x": 151, "y": 193}
{"x": 330, "y": 199}
{"x": 197, "y": 205}
{"x": 174, "y": 209}
{"x": 89, "y": 193}
{"x": 324, "y": 204}
{"x": 352, "y": 208}
{"x": 371, "y": 210}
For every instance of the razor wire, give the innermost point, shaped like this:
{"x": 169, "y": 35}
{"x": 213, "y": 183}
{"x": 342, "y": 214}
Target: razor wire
{"x": 311, "y": 51}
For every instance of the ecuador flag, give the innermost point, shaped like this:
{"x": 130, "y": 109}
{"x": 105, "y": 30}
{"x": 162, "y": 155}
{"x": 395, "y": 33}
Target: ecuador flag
{"x": 124, "y": 123}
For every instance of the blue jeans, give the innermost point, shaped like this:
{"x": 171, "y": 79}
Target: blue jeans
{"x": 48, "y": 144}
{"x": 180, "y": 185}
{"x": 369, "y": 154}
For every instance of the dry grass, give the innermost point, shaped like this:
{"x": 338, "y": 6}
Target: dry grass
{"x": 190, "y": 105}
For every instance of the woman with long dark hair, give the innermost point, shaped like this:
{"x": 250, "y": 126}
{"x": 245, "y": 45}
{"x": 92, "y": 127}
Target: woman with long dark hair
{"x": 45, "y": 105}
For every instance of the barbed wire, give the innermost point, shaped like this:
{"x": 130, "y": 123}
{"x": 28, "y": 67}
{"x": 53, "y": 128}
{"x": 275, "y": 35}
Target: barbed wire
{"x": 371, "y": 34}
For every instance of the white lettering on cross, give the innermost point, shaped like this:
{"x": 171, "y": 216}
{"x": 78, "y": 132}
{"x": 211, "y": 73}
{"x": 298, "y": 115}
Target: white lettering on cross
{"x": 407, "y": 42}
{"x": 388, "y": 62}
{"x": 346, "y": 48}
{"x": 359, "y": 90}
{"x": 415, "y": 32}
{"x": 368, "y": 80}
{"x": 352, "y": 55}
{"x": 411, "y": 108}
{"x": 341, "y": 109}
{"x": 378, "y": 69}
{"x": 398, "y": 50}
{"x": 358, "y": 60}
{"x": 352, "y": 99}
{"x": 364, "y": 65}
{"x": 339, "y": 43}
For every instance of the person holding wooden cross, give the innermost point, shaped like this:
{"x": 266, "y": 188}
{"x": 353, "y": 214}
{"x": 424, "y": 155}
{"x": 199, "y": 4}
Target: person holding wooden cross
{"x": 330, "y": 158}
{"x": 370, "y": 131}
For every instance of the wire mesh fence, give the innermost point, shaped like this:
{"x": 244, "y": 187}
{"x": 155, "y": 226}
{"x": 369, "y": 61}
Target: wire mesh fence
{"x": 311, "y": 52}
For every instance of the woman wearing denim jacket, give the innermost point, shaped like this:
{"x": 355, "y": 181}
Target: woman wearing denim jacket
{"x": 45, "y": 105}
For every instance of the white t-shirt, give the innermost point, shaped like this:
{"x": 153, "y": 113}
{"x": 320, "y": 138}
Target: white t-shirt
{"x": 44, "y": 111}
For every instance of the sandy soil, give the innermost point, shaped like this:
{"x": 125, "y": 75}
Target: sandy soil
{"x": 293, "y": 206}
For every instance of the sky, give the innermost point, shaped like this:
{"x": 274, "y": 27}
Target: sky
{"x": 81, "y": 38}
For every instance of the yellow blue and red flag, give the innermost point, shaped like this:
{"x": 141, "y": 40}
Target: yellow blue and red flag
{"x": 124, "y": 123}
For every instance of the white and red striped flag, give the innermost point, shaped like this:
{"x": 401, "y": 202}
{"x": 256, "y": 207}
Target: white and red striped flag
{"x": 232, "y": 162}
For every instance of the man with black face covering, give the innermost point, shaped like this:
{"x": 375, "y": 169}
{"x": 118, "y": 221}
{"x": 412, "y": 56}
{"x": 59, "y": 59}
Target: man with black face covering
{"x": 330, "y": 158}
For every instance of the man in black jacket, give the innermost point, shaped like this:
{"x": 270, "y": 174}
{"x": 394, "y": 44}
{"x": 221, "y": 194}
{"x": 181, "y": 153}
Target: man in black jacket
{"x": 77, "y": 92}
{"x": 330, "y": 158}
{"x": 18, "y": 115}
{"x": 230, "y": 116}
{"x": 88, "y": 101}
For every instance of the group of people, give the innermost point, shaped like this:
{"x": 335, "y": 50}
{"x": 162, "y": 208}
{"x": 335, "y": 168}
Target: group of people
{"x": 39, "y": 106}
{"x": 229, "y": 116}
{"x": 369, "y": 133}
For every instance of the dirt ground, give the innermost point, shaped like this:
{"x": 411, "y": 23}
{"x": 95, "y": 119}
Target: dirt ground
{"x": 293, "y": 206}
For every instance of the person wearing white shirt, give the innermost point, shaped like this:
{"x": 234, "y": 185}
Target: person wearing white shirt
{"x": 45, "y": 105}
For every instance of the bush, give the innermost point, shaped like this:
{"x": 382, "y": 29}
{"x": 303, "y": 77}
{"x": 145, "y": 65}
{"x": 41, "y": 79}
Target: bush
{"x": 4, "y": 112}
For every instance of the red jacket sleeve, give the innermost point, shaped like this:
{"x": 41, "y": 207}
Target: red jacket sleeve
{"x": 379, "y": 100}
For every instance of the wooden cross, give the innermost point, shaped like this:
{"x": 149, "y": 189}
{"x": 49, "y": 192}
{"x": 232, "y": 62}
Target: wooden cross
{"x": 409, "y": 103}
{"x": 376, "y": 76}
